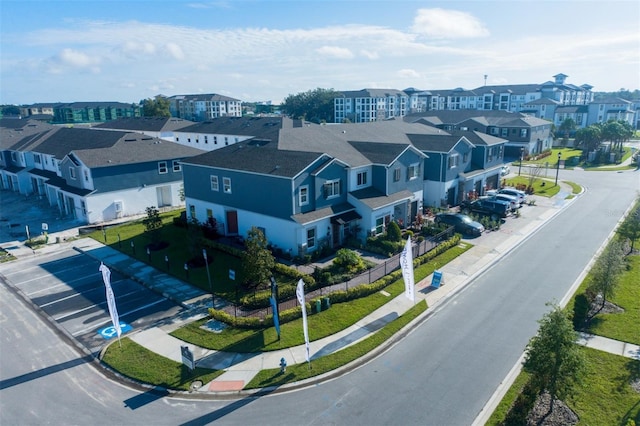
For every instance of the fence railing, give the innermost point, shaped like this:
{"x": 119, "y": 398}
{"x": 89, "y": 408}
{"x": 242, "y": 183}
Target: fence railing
{"x": 371, "y": 275}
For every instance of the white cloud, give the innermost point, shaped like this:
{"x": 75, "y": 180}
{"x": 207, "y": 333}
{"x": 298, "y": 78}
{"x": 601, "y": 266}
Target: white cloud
{"x": 447, "y": 24}
{"x": 369, "y": 54}
{"x": 408, "y": 73}
{"x": 335, "y": 52}
{"x": 174, "y": 51}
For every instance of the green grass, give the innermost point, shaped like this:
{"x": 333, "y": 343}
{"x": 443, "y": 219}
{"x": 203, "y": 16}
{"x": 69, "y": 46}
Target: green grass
{"x": 323, "y": 324}
{"x": 605, "y": 398}
{"x": 565, "y": 154}
{"x": 138, "y": 363}
{"x": 325, "y": 364}
{"x": 542, "y": 187}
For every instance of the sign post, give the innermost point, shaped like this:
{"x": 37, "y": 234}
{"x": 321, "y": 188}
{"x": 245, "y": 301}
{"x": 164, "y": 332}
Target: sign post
{"x": 187, "y": 357}
{"x": 437, "y": 280}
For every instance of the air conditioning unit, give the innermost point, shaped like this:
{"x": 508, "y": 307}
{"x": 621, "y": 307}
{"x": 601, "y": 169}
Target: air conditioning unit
{"x": 119, "y": 208}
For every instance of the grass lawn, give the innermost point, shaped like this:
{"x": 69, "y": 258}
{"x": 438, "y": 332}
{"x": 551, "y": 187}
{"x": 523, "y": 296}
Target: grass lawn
{"x": 605, "y": 398}
{"x": 542, "y": 187}
{"x": 323, "y": 324}
{"x": 137, "y": 362}
{"x": 622, "y": 326}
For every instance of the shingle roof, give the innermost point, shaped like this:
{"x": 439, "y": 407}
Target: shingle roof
{"x": 18, "y": 135}
{"x": 203, "y": 97}
{"x": 372, "y": 93}
{"x": 260, "y": 127}
{"x": 151, "y": 124}
{"x": 376, "y": 199}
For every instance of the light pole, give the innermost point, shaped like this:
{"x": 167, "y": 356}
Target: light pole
{"x": 206, "y": 262}
{"x": 558, "y": 168}
{"x": 521, "y": 155}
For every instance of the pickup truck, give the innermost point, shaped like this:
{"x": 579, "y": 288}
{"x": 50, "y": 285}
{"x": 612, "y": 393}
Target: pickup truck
{"x": 494, "y": 208}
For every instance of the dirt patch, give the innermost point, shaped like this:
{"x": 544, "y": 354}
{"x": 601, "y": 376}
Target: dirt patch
{"x": 635, "y": 384}
{"x": 609, "y": 308}
{"x": 560, "y": 416}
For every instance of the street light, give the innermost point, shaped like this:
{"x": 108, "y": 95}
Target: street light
{"x": 521, "y": 155}
{"x": 558, "y": 168}
{"x": 206, "y": 262}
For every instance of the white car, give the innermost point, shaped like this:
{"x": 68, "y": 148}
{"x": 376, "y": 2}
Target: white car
{"x": 505, "y": 170}
{"x": 520, "y": 195}
{"x": 513, "y": 201}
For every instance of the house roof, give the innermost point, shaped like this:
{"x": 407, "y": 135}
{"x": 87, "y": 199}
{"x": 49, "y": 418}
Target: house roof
{"x": 478, "y": 138}
{"x": 19, "y": 134}
{"x": 543, "y": 101}
{"x": 203, "y": 97}
{"x": 151, "y": 124}
{"x": 372, "y": 93}
{"x": 261, "y": 127}
{"x": 435, "y": 143}
{"x": 98, "y": 104}
{"x": 514, "y": 89}
{"x": 331, "y": 211}
{"x": 569, "y": 109}
{"x": 375, "y": 199}
{"x": 257, "y": 157}
{"x": 485, "y": 118}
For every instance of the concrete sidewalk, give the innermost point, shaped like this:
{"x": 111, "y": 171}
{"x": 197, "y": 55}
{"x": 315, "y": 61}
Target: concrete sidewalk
{"x": 241, "y": 368}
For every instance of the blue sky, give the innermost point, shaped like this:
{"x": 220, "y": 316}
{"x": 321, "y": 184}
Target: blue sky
{"x": 264, "y": 50}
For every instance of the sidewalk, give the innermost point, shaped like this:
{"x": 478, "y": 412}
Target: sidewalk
{"x": 241, "y": 368}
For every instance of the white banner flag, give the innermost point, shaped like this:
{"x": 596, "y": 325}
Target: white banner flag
{"x": 406, "y": 263}
{"x": 111, "y": 299}
{"x": 300, "y": 295}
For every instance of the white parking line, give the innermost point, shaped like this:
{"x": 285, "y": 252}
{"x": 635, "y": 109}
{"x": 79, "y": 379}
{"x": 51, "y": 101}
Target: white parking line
{"x": 83, "y": 309}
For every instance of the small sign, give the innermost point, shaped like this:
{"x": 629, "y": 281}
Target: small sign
{"x": 45, "y": 227}
{"x": 437, "y": 279}
{"x": 187, "y": 357}
{"x": 109, "y": 332}
{"x": 232, "y": 274}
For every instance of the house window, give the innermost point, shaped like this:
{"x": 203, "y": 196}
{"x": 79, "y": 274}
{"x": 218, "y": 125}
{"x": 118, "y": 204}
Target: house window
{"x": 465, "y": 157}
{"x": 226, "y": 185}
{"x": 206, "y": 139}
{"x": 226, "y": 140}
{"x": 379, "y": 225}
{"x": 215, "y": 140}
{"x": 332, "y": 188}
{"x": 413, "y": 171}
{"x": 192, "y": 211}
{"x": 453, "y": 161}
{"x": 36, "y": 158}
{"x": 176, "y": 166}
{"x": 83, "y": 205}
{"x": 86, "y": 175}
{"x": 14, "y": 157}
{"x": 72, "y": 172}
{"x": 362, "y": 178}
{"x": 523, "y": 133}
{"x": 396, "y": 174}
{"x": 177, "y": 139}
{"x": 311, "y": 237}
{"x": 209, "y": 213}
{"x": 304, "y": 195}
{"x": 162, "y": 167}
{"x": 505, "y": 132}
{"x": 214, "y": 183}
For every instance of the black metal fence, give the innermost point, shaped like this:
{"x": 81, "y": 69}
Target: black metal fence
{"x": 373, "y": 274}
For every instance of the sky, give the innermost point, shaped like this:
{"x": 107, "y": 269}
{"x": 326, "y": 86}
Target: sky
{"x": 265, "y": 50}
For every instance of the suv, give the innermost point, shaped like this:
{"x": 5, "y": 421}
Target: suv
{"x": 520, "y": 195}
{"x": 485, "y": 206}
{"x": 461, "y": 222}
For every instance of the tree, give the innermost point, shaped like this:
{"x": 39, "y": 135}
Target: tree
{"x": 157, "y": 107}
{"x": 153, "y": 223}
{"x": 10, "y": 110}
{"x": 617, "y": 132}
{"x": 314, "y": 105}
{"x": 553, "y": 358}
{"x": 588, "y": 138}
{"x": 566, "y": 127}
{"x": 257, "y": 260}
{"x": 630, "y": 228}
{"x": 393, "y": 232}
{"x": 606, "y": 271}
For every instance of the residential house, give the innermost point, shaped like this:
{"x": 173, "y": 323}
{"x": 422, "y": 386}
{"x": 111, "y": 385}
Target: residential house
{"x": 157, "y": 127}
{"x": 313, "y": 186}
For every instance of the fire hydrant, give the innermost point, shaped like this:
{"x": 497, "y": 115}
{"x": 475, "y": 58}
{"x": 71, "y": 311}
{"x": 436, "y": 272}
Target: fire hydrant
{"x": 283, "y": 365}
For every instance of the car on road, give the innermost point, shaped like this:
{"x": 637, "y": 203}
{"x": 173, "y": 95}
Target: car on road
{"x": 513, "y": 201}
{"x": 505, "y": 170}
{"x": 462, "y": 223}
{"x": 496, "y": 209}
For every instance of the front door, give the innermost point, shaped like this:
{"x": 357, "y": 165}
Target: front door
{"x": 232, "y": 222}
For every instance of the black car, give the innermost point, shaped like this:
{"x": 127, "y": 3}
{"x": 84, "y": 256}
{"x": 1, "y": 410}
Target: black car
{"x": 461, "y": 222}
{"x": 489, "y": 207}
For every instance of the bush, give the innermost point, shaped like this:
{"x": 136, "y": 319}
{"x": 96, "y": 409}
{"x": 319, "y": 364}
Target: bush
{"x": 181, "y": 221}
{"x": 581, "y": 307}
{"x": 393, "y": 232}
{"x": 348, "y": 260}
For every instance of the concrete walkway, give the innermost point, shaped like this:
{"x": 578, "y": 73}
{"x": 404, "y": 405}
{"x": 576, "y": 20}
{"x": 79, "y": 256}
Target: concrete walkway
{"x": 239, "y": 369}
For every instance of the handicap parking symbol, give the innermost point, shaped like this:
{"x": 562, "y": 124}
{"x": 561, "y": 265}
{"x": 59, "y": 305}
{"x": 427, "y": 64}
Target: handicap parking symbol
{"x": 109, "y": 332}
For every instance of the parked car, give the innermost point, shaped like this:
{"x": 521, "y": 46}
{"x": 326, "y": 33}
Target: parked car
{"x": 505, "y": 170}
{"x": 494, "y": 208}
{"x": 520, "y": 195}
{"x": 513, "y": 201}
{"x": 461, "y": 223}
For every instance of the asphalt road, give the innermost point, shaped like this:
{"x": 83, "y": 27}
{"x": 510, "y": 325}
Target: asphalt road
{"x": 441, "y": 374}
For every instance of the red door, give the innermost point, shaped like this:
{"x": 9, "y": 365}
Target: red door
{"x": 232, "y": 222}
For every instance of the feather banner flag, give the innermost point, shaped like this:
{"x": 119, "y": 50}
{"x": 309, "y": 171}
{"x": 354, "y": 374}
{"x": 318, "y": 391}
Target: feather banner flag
{"x": 406, "y": 263}
{"x": 111, "y": 299}
{"x": 303, "y": 304}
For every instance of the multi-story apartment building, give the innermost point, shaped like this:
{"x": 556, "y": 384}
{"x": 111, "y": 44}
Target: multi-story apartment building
{"x": 366, "y": 105}
{"x": 204, "y": 107}
{"x": 93, "y": 112}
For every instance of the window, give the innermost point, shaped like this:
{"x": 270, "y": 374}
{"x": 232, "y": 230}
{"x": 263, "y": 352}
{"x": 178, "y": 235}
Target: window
{"x": 332, "y": 188}
{"x": 413, "y": 171}
{"x": 362, "y": 178}
{"x": 206, "y": 139}
{"x": 523, "y": 133}
{"x": 396, "y": 174}
{"x": 226, "y": 140}
{"x": 209, "y": 213}
{"x": 226, "y": 185}
{"x": 304, "y": 195}
{"x": 505, "y": 132}
{"x": 465, "y": 157}
{"x": 162, "y": 167}
{"x": 177, "y": 139}
{"x": 379, "y": 225}
{"x": 72, "y": 172}
{"x": 192, "y": 211}
{"x": 311, "y": 237}
{"x": 86, "y": 175}
{"x": 36, "y": 158}
{"x": 453, "y": 161}
{"x": 215, "y": 140}
{"x": 214, "y": 183}
{"x": 176, "y": 166}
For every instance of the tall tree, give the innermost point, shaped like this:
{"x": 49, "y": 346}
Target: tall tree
{"x": 156, "y": 107}
{"x": 314, "y": 105}
{"x": 566, "y": 127}
{"x": 606, "y": 271}
{"x": 630, "y": 228}
{"x": 588, "y": 138}
{"x": 617, "y": 132}
{"x": 257, "y": 260}
{"x": 553, "y": 358}
{"x": 153, "y": 223}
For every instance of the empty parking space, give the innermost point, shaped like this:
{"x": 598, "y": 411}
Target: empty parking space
{"x": 68, "y": 287}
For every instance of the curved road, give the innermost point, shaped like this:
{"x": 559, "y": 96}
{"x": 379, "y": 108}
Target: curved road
{"x": 442, "y": 373}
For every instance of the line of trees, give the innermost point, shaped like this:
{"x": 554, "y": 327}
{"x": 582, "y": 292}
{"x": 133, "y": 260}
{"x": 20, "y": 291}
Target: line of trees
{"x": 315, "y": 105}
{"x": 589, "y": 138}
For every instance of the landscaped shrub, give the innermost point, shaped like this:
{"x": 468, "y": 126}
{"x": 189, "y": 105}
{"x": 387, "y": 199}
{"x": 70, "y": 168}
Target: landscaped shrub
{"x": 581, "y": 308}
{"x": 349, "y": 260}
{"x": 393, "y": 232}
